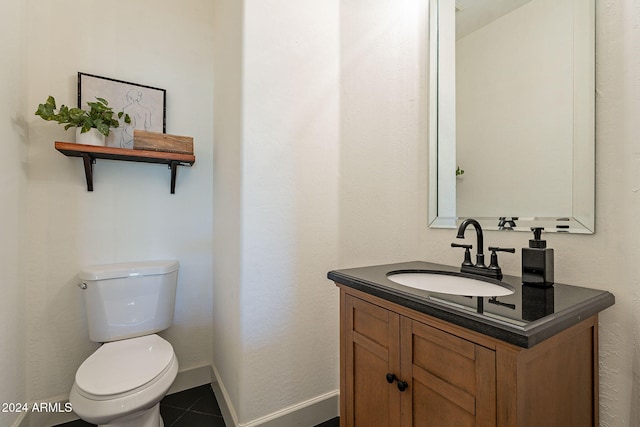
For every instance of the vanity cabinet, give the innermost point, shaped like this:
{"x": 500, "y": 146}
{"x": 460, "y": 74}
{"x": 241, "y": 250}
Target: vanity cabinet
{"x": 401, "y": 367}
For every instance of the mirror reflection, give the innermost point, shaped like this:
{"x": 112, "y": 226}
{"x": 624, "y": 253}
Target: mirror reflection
{"x": 515, "y": 114}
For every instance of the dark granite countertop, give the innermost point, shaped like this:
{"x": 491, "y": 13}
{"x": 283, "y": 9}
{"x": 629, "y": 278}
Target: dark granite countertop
{"x": 525, "y": 318}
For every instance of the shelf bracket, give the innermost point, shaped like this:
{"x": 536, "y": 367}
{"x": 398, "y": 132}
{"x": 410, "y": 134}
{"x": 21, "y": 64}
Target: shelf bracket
{"x": 88, "y": 169}
{"x": 174, "y": 171}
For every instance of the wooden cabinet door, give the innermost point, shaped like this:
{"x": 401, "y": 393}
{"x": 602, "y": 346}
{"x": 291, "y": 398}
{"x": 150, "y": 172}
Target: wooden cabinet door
{"x": 452, "y": 381}
{"x": 372, "y": 341}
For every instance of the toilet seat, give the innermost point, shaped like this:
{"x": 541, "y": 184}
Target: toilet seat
{"x": 124, "y": 367}
{"x": 103, "y": 410}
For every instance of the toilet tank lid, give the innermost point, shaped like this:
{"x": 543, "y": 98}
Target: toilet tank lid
{"x": 128, "y": 269}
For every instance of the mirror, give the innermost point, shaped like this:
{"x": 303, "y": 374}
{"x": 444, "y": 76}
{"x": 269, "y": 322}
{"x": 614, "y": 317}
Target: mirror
{"x": 512, "y": 112}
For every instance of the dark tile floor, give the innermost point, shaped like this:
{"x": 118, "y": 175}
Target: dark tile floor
{"x": 333, "y": 422}
{"x": 196, "y": 407}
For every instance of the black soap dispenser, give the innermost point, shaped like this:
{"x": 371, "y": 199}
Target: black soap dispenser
{"x": 537, "y": 261}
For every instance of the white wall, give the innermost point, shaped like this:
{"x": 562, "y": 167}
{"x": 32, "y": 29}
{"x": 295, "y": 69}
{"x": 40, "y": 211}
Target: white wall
{"x": 130, "y": 215}
{"x": 227, "y": 190}
{"x": 289, "y": 204}
{"x": 275, "y": 205}
{"x": 13, "y": 189}
{"x": 317, "y": 192}
{"x": 383, "y": 60}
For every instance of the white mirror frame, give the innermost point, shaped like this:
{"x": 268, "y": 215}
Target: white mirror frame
{"x": 442, "y": 125}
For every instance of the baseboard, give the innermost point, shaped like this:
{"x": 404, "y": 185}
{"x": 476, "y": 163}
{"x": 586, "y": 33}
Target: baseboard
{"x": 191, "y": 377}
{"x": 187, "y": 378}
{"x": 224, "y": 401}
{"x": 21, "y": 421}
{"x": 308, "y": 413}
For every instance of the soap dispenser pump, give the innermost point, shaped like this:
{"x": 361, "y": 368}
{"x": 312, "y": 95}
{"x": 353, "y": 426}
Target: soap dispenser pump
{"x": 537, "y": 261}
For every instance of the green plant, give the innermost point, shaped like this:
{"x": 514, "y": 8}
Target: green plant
{"x": 99, "y": 116}
{"x": 459, "y": 171}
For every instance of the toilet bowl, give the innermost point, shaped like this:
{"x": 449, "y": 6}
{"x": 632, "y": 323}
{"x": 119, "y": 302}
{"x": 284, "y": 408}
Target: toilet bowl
{"x": 121, "y": 384}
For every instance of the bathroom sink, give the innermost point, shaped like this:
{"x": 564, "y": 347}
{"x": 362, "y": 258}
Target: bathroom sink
{"x": 450, "y": 283}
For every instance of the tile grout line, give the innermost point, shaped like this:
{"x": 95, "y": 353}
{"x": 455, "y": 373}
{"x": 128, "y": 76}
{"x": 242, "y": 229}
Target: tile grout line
{"x": 177, "y": 419}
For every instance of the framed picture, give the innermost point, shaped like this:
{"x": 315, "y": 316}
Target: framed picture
{"x": 146, "y": 105}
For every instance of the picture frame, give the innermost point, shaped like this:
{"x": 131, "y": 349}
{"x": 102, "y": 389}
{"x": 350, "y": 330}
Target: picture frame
{"x": 146, "y": 105}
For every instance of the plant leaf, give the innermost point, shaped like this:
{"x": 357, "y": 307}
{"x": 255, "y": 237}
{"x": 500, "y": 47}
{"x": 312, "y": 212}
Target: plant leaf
{"x": 103, "y": 129}
{"x": 52, "y": 102}
{"x": 99, "y": 115}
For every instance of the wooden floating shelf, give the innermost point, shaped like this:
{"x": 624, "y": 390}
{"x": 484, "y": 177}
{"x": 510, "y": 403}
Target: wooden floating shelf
{"x": 89, "y": 154}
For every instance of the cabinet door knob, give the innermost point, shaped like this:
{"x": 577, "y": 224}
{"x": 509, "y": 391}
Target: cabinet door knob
{"x": 391, "y": 378}
{"x": 402, "y": 385}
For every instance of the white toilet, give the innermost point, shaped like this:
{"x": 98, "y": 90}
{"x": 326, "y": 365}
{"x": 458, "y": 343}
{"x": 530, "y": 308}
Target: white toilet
{"x": 122, "y": 382}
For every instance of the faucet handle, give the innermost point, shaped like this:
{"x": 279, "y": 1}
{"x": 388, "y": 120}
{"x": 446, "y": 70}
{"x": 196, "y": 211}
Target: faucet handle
{"x": 493, "y": 265}
{"x": 467, "y": 252}
{"x": 459, "y": 245}
{"x": 497, "y": 249}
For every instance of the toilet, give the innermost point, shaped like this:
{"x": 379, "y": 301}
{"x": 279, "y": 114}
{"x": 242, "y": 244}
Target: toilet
{"x": 122, "y": 382}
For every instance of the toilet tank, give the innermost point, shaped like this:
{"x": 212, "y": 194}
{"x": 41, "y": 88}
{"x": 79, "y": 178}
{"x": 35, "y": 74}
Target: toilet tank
{"x": 129, "y": 299}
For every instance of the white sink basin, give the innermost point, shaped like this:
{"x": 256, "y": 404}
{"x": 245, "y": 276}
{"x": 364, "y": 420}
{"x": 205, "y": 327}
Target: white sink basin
{"x": 449, "y": 284}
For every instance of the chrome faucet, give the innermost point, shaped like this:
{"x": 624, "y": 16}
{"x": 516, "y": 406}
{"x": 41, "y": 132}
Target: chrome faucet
{"x": 493, "y": 270}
